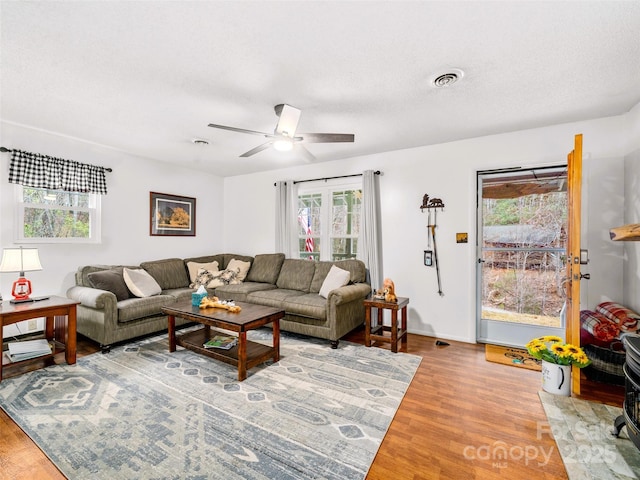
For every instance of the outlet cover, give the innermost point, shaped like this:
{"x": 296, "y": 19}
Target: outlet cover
{"x": 32, "y": 325}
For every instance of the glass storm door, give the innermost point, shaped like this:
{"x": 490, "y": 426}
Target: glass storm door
{"x": 522, "y": 242}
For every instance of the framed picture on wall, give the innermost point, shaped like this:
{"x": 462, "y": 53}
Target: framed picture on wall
{"x": 172, "y": 215}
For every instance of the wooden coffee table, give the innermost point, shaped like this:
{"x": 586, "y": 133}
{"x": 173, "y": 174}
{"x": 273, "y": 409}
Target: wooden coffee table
{"x": 245, "y": 354}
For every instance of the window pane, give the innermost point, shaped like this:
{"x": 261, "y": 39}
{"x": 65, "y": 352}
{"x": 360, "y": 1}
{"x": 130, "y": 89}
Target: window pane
{"x": 56, "y": 215}
{"x": 55, "y": 197}
{"x": 345, "y": 227}
{"x": 55, "y": 223}
{"x": 309, "y": 225}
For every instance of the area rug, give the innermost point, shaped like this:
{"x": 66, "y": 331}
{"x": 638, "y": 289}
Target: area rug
{"x": 142, "y": 412}
{"x": 582, "y": 431}
{"x": 516, "y": 357}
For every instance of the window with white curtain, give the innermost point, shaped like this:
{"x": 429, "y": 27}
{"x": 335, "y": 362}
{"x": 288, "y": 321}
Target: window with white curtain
{"x": 329, "y": 220}
{"x": 56, "y": 216}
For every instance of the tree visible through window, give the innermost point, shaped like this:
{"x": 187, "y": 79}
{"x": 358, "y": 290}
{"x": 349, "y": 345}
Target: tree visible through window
{"x": 329, "y": 223}
{"x": 57, "y": 216}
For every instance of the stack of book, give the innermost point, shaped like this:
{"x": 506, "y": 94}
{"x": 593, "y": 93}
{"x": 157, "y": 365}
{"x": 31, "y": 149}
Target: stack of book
{"x": 27, "y": 349}
{"x": 224, "y": 342}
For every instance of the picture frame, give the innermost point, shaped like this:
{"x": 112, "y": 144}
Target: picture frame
{"x": 172, "y": 215}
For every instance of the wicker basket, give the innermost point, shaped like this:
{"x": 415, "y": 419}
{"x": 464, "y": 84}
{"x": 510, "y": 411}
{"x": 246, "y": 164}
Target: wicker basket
{"x": 606, "y": 365}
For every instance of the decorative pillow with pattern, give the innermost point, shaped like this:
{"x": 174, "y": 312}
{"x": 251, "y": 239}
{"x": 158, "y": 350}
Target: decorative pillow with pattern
{"x": 224, "y": 277}
{"x": 203, "y": 277}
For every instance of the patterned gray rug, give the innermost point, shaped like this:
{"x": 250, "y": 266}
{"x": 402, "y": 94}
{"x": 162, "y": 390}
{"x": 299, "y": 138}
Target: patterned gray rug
{"x": 582, "y": 431}
{"x": 142, "y": 412}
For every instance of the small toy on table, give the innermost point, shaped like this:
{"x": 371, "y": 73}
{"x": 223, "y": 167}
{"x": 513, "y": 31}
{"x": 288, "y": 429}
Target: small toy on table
{"x": 214, "y": 302}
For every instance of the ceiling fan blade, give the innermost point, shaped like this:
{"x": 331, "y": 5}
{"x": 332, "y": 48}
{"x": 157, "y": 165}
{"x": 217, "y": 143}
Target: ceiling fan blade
{"x": 304, "y": 153}
{"x": 258, "y": 149}
{"x": 327, "y": 137}
{"x": 288, "y": 122}
{"x": 241, "y": 130}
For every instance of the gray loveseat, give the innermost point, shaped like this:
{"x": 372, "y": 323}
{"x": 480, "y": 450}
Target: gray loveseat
{"x": 108, "y": 314}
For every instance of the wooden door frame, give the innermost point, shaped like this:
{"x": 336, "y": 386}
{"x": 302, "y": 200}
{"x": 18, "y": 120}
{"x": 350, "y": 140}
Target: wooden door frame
{"x": 574, "y": 187}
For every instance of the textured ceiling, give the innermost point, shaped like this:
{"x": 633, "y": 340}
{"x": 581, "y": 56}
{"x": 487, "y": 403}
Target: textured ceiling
{"x": 148, "y": 77}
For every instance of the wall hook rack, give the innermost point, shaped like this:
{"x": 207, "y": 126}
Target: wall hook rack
{"x": 431, "y": 203}
{"x": 431, "y": 256}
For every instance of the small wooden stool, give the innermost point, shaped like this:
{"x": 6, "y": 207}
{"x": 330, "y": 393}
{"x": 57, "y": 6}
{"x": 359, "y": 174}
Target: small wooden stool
{"x": 377, "y": 332}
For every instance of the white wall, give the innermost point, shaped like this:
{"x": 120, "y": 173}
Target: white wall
{"x": 632, "y": 215}
{"x": 246, "y": 204}
{"x": 632, "y": 212}
{"x": 125, "y": 210}
{"x": 448, "y": 171}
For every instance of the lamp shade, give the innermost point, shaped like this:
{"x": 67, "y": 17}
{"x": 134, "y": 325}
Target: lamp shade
{"x": 20, "y": 260}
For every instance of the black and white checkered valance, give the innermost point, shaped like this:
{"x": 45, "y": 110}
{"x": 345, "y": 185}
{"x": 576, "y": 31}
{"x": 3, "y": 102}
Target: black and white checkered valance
{"x": 41, "y": 171}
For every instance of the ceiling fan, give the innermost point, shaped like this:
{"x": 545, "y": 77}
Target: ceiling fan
{"x": 284, "y": 137}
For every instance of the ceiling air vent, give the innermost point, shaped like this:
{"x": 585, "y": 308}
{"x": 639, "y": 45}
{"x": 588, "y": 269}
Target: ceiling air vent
{"x": 447, "y": 79}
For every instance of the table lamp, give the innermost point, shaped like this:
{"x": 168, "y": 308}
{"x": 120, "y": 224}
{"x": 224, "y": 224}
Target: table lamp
{"x": 20, "y": 260}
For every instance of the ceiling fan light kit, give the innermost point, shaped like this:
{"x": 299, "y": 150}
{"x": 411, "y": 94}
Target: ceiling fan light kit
{"x": 283, "y": 145}
{"x": 284, "y": 136}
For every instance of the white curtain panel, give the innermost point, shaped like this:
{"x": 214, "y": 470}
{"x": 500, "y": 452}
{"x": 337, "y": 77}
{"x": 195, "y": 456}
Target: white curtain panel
{"x": 369, "y": 242}
{"x": 287, "y": 218}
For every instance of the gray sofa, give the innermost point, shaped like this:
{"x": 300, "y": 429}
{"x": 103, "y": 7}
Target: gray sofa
{"x": 108, "y": 314}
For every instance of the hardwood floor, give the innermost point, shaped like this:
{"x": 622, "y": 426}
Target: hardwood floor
{"x": 457, "y": 414}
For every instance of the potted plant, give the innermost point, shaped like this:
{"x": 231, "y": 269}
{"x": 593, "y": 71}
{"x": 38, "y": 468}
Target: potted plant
{"x": 557, "y": 359}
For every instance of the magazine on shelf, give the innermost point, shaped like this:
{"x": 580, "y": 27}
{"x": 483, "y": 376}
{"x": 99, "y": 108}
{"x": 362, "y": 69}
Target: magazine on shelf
{"x": 225, "y": 342}
{"x": 27, "y": 349}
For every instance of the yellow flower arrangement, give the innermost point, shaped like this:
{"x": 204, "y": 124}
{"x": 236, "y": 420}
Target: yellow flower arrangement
{"x": 552, "y": 349}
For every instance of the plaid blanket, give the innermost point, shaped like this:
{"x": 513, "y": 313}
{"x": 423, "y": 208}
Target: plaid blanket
{"x": 627, "y": 320}
{"x": 599, "y": 326}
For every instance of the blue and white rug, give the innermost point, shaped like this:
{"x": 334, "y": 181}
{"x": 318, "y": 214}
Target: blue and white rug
{"x": 142, "y": 412}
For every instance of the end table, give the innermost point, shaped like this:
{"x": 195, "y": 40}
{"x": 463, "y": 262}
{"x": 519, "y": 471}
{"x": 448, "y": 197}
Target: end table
{"x": 377, "y": 332}
{"x": 50, "y": 308}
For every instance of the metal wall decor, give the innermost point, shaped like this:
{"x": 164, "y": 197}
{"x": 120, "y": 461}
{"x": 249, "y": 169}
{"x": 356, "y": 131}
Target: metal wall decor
{"x": 431, "y": 256}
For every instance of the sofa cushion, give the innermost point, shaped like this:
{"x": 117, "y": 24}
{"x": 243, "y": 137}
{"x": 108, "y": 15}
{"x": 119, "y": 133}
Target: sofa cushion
{"x": 308, "y": 305}
{"x": 241, "y": 267}
{"x": 169, "y": 273}
{"x": 273, "y": 298}
{"x": 265, "y": 268}
{"x": 140, "y": 283}
{"x": 193, "y": 268}
{"x": 110, "y": 280}
{"x": 179, "y": 293}
{"x": 356, "y": 268}
{"x": 296, "y": 274}
{"x": 239, "y": 292}
{"x": 135, "y": 308}
{"x": 336, "y": 278}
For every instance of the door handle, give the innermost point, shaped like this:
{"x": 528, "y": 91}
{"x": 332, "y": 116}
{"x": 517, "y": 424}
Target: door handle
{"x": 586, "y": 276}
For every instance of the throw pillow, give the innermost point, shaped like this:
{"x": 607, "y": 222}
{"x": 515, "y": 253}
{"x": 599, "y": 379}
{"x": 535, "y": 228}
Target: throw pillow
{"x": 140, "y": 283}
{"x": 194, "y": 268}
{"x": 110, "y": 280}
{"x": 203, "y": 277}
{"x": 336, "y": 278}
{"x": 224, "y": 277}
{"x": 241, "y": 267}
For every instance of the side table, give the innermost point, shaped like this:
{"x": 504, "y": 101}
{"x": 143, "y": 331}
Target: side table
{"x": 377, "y": 332}
{"x": 49, "y": 308}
